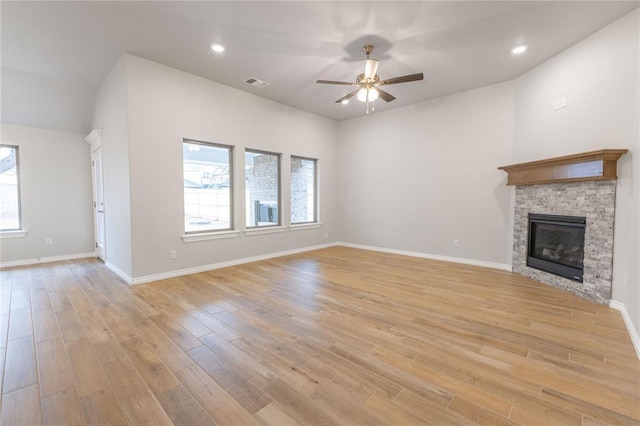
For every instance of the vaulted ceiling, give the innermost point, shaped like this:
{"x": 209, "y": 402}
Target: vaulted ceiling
{"x": 458, "y": 45}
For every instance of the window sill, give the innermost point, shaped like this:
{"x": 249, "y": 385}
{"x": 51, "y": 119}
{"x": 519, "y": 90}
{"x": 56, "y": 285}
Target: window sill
{"x": 264, "y": 230}
{"x": 303, "y": 226}
{"x": 188, "y": 238}
{"x": 13, "y": 234}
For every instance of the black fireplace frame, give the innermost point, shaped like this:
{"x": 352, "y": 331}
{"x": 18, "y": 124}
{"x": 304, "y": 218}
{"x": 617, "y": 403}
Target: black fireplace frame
{"x": 565, "y": 271}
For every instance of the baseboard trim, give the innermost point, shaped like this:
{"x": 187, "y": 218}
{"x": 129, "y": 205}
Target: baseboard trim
{"x": 38, "y": 260}
{"x": 635, "y": 339}
{"x": 219, "y": 265}
{"x": 113, "y": 268}
{"x": 501, "y": 266}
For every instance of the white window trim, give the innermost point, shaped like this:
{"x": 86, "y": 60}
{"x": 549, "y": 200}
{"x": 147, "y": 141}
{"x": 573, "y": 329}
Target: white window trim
{"x": 265, "y": 230}
{"x": 251, "y": 230}
{"x": 203, "y": 236}
{"x": 214, "y": 235}
{"x": 302, "y": 226}
{"x": 316, "y": 213}
{"x": 15, "y": 233}
{"x": 19, "y": 233}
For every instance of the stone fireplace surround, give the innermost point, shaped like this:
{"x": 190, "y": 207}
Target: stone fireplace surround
{"x": 576, "y": 185}
{"x": 593, "y": 200}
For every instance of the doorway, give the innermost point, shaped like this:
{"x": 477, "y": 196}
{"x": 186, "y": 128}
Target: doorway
{"x": 94, "y": 139}
{"x": 98, "y": 203}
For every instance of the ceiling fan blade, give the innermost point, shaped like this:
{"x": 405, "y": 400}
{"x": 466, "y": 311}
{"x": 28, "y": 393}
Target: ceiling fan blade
{"x": 344, "y": 83}
{"x": 370, "y": 68}
{"x": 385, "y": 96}
{"x": 345, "y": 97}
{"x": 403, "y": 79}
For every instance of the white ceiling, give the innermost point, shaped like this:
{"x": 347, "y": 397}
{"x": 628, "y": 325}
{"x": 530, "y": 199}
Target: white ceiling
{"x": 458, "y": 45}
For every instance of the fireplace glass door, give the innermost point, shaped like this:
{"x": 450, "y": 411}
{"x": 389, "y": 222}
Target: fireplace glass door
{"x": 556, "y": 245}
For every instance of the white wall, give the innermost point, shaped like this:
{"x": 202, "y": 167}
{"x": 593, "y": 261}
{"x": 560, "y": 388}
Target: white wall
{"x": 600, "y": 78}
{"x": 55, "y": 186}
{"x": 111, "y": 116}
{"x": 417, "y": 177}
{"x": 167, "y": 105}
{"x": 32, "y": 100}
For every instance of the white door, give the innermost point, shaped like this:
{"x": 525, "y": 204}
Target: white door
{"x": 98, "y": 203}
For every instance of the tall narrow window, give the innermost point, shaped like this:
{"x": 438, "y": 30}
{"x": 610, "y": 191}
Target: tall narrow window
{"x": 10, "y": 218}
{"x": 207, "y": 187}
{"x": 303, "y": 190}
{"x": 262, "y": 176}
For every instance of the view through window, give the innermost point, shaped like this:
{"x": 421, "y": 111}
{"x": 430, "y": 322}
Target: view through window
{"x": 207, "y": 187}
{"x": 262, "y": 188}
{"x": 10, "y": 219}
{"x": 303, "y": 190}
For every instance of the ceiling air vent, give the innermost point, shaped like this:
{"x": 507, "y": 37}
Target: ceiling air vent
{"x": 256, "y": 83}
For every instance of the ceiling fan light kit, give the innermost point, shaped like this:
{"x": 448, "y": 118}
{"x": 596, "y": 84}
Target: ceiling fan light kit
{"x": 368, "y": 83}
{"x": 367, "y": 95}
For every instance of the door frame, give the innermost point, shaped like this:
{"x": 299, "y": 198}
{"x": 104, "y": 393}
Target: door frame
{"x": 94, "y": 139}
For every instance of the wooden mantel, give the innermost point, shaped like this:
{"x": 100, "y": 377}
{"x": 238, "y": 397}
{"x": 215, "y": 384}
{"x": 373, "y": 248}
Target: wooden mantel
{"x": 594, "y": 165}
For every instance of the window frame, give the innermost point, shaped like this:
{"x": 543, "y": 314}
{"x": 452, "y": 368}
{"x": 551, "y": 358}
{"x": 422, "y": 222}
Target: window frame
{"x": 279, "y": 201}
{"x": 315, "y": 192}
{"x": 193, "y": 235}
{"x": 20, "y": 228}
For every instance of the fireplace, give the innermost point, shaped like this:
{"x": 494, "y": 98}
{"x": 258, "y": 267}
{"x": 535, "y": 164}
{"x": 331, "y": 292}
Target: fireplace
{"x": 556, "y": 245}
{"x": 562, "y": 195}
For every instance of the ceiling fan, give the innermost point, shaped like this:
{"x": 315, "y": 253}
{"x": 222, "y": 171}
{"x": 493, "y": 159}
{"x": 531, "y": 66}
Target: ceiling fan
{"x": 369, "y": 83}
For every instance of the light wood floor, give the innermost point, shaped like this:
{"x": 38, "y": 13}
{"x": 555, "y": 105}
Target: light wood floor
{"x": 335, "y": 336}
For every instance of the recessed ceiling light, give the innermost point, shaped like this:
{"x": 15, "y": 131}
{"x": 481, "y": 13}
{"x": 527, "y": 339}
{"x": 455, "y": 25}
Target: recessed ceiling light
{"x": 345, "y": 101}
{"x": 218, "y": 48}
{"x": 519, "y": 49}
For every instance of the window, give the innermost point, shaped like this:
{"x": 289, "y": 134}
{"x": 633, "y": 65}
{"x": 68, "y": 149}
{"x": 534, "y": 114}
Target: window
{"x": 262, "y": 177}
{"x": 10, "y": 218}
{"x": 207, "y": 187}
{"x": 303, "y": 190}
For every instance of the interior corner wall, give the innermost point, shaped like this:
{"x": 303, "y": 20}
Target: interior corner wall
{"x": 417, "y": 177}
{"x": 167, "y": 105}
{"x": 33, "y": 100}
{"x": 600, "y": 78}
{"x": 55, "y": 194}
{"x": 111, "y": 116}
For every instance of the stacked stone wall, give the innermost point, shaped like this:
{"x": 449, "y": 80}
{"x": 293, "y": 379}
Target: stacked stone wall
{"x": 262, "y": 182}
{"x": 594, "y": 200}
{"x": 302, "y": 187}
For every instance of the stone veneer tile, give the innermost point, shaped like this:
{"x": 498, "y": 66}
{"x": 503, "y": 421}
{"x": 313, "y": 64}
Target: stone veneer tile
{"x": 594, "y": 200}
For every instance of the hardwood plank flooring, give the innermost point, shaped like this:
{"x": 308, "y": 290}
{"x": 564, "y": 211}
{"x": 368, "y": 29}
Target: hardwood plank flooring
{"x": 333, "y": 336}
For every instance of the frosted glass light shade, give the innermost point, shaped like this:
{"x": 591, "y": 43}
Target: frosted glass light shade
{"x": 362, "y": 94}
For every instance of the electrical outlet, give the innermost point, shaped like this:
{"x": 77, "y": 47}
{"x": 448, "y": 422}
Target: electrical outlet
{"x": 456, "y": 242}
{"x": 48, "y": 241}
{"x": 173, "y": 255}
{"x": 556, "y": 104}
{"x": 326, "y": 235}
